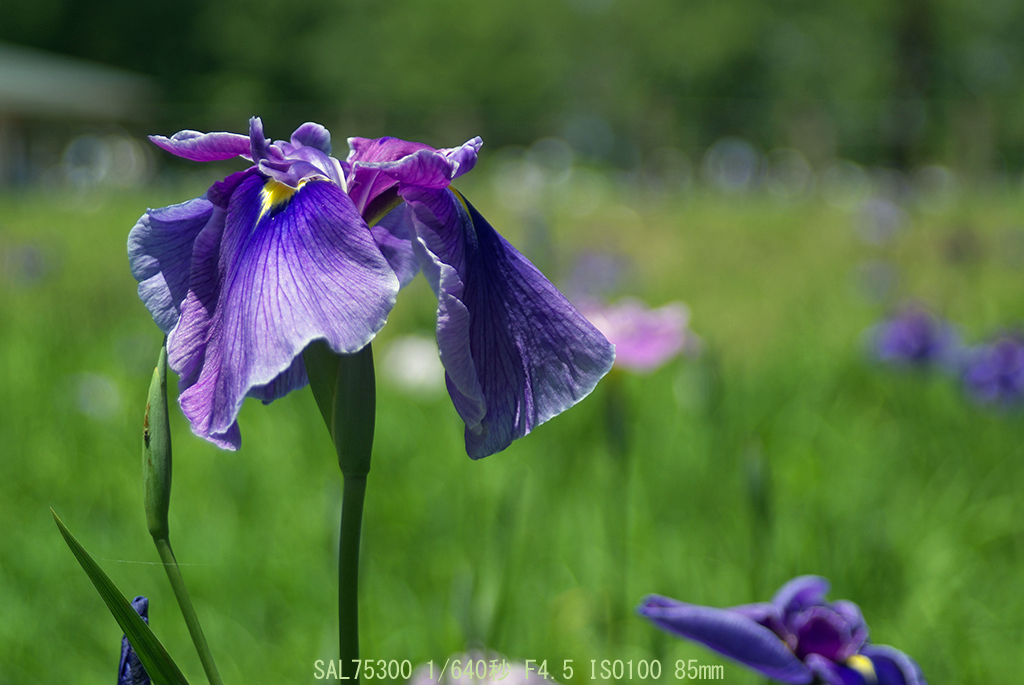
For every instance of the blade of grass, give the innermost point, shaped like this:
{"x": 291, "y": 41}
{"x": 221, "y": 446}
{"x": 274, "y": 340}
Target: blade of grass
{"x": 158, "y": 664}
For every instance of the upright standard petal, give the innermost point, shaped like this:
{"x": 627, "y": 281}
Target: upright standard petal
{"x": 390, "y": 164}
{"x": 729, "y": 633}
{"x": 280, "y": 270}
{"x": 800, "y": 593}
{"x": 516, "y": 353}
{"x": 160, "y": 255}
{"x": 204, "y": 147}
{"x": 314, "y": 135}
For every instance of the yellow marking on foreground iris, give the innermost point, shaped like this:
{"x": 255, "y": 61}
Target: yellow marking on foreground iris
{"x": 275, "y": 193}
{"x": 462, "y": 201}
{"x": 863, "y": 665}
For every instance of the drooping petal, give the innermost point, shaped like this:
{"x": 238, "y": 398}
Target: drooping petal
{"x": 830, "y": 673}
{"x": 204, "y": 147}
{"x": 393, "y": 235}
{"x": 220, "y": 192}
{"x": 730, "y": 634}
{"x": 266, "y": 282}
{"x": 160, "y": 255}
{"x": 515, "y": 351}
{"x": 130, "y": 670}
{"x": 799, "y": 593}
{"x": 292, "y": 378}
{"x": 893, "y": 667}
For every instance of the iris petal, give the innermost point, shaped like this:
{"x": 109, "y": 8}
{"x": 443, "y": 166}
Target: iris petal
{"x": 393, "y": 235}
{"x": 730, "y": 634}
{"x": 893, "y": 667}
{"x": 799, "y": 593}
{"x": 130, "y": 670}
{"x": 515, "y": 351}
{"x": 378, "y": 165}
{"x": 831, "y": 673}
{"x": 263, "y": 286}
{"x": 160, "y": 255}
{"x": 767, "y": 615}
{"x": 292, "y": 378}
{"x": 313, "y": 135}
{"x": 819, "y": 630}
{"x": 204, "y": 147}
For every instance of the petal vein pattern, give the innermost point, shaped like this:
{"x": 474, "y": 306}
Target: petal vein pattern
{"x": 265, "y": 286}
{"x": 516, "y": 353}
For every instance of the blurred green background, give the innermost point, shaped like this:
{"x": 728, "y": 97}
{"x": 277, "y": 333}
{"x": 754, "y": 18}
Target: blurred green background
{"x": 792, "y": 171}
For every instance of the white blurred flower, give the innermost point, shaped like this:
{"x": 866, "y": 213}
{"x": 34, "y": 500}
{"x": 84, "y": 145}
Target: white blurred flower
{"x": 412, "y": 365}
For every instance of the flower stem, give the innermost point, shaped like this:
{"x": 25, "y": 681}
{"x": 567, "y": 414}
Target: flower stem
{"x": 344, "y": 388}
{"x": 348, "y": 573}
{"x": 163, "y": 547}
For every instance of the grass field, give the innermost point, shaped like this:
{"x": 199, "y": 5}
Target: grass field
{"x": 781, "y": 451}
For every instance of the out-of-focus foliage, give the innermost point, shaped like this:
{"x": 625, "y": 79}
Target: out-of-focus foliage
{"x": 896, "y": 82}
{"x": 782, "y": 450}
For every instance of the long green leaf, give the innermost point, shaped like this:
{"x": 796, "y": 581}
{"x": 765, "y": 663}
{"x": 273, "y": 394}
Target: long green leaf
{"x": 158, "y": 664}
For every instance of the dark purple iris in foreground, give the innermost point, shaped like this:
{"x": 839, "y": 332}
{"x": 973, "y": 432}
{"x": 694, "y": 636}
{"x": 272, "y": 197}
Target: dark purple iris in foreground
{"x": 130, "y": 670}
{"x": 994, "y": 373}
{"x": 281, "y": 254}
{"x": 914, "y": 337}
{"x": 797, "y": 638}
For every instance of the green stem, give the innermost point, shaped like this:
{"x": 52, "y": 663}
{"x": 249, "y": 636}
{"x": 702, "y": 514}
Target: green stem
{"x": 163, "y": 547}
{"x": 348, "y": 573}
{"x": 619, "y": 434}
{"x": 343, "y": 386}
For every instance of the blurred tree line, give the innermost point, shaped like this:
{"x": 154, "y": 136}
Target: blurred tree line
{"x": 879, "y": 81}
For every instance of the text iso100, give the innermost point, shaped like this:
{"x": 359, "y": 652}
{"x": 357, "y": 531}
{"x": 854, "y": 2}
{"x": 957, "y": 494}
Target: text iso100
{"x": 617, "y": 669}
{"x": 643, "y": 670}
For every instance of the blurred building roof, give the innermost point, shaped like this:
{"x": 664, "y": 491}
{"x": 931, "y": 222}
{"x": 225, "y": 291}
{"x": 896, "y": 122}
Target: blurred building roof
{"x": 38, "y": 83}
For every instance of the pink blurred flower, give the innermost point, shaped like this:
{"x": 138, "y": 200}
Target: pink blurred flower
{"x": 644, "y": 338}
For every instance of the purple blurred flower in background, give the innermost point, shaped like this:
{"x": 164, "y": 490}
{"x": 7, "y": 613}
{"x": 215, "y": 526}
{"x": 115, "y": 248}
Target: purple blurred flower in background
{"x": 994, "y": 373}
{"x": 130, "y": 670}
{"x": 797, "y": 638}
{"x": 282, "y": 254}
{"x": 644, "y": 338}
{"x": 915, "y": 337}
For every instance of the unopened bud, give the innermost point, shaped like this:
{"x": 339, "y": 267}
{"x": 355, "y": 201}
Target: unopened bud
{"x": 156, "y": 452}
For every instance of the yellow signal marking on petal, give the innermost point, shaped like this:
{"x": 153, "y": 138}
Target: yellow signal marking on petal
{"x": 462, "y": 200}
{"x": 863, "y": 665}
{"x": 275, "y": 193}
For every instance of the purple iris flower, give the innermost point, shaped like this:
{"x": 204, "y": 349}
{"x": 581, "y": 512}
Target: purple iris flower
{"x": 914, "y": 337}
{"x": 130, "y": 671}
{"x": 644, "y": 338}
{"x": 281, "y": 254}
{"x": 994, "y": 373}
{"x": 797, "y": 638}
